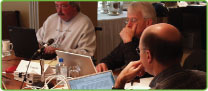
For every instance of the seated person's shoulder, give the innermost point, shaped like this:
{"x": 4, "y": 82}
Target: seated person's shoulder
{"x": 198, "y": 78}
{"x": 192, "y": 79}
{"x": 84, "y": 18}
{"x": 197, "y": 73}
{"x": 52, "y": 17}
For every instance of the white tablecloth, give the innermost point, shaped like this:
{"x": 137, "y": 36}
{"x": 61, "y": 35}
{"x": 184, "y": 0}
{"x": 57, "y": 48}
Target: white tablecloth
{"x": 108, "y": 17}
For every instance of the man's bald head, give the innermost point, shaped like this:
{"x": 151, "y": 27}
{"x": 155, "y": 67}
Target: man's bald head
{"x": 164, "y": 42}
{"x": 165, "y": 31}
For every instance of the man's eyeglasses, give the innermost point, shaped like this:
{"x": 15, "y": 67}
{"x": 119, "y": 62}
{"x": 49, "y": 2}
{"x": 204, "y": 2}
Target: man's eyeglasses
{"x": 62, "y": 6}
{"x": 133, "y": 20}
{"x": 138, "y": 52}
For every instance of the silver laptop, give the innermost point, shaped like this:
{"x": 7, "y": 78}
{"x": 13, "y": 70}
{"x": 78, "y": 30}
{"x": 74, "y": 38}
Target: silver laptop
{"x": 84, "y": 62}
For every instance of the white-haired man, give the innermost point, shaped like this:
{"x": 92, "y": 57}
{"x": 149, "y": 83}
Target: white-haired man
{"x": 139, "y": 16}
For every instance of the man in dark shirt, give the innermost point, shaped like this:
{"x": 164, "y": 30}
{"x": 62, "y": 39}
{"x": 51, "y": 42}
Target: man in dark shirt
{"x": 139, "y": 16}
{"x": 160, "y": 55}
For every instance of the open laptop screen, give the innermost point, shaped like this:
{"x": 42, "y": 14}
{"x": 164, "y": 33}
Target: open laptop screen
{"x": 24, "y": 41}
{"x": 102, "y": 80}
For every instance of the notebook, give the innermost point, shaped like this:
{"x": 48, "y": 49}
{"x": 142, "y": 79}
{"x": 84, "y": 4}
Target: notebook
{"x": 102, "y": 80}
{"x": 84, "y": 62}
{"x": 24, "y": 41}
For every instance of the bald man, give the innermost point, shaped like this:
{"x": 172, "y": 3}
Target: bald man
{"x": 160, "y": 55}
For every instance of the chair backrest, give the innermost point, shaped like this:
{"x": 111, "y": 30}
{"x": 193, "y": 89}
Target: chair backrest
{"x": 196, "y": 61}
{"x": 9, "y": 18}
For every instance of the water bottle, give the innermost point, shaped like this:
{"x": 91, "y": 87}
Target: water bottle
{"x": 61, "y": 69}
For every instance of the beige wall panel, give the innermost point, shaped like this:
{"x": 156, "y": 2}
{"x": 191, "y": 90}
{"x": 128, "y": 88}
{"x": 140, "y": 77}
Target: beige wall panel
{"x": 45, "y": 10}
{"x": 90, "y": 9}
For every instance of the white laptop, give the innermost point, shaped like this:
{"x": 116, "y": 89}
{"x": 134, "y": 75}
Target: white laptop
{"x": 101, "y": 80}
{"x": 84, "y": 62}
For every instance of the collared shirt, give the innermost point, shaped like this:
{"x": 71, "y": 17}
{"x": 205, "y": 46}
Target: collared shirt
{"x": 177, "y": 78}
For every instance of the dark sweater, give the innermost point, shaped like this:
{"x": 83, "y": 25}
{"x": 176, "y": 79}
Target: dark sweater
{"x": 122, "y": 55}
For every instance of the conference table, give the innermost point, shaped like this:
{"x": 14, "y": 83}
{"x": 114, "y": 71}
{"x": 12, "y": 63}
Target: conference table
{"x": 8, "y": 78}
{"x": 9, "y": 82}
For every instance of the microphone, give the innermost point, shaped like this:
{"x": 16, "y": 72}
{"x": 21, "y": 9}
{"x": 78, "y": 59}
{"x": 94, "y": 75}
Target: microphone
{"x": 50, "y": 41}
{"x": 40, "y": 51}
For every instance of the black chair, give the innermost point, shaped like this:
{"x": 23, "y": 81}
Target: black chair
{"x": 196, "y": 61}
{"x": 161, "y": 11}
{"x": 9, "y": 18}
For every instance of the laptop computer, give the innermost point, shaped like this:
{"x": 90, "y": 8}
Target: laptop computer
{"x": 24, "y": 41}
{"x": 102, "y": 80}
{"x": 84, "y": 62}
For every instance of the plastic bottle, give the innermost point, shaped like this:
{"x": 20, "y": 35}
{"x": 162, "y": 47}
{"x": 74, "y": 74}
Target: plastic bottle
{"x": 61, "y": 69}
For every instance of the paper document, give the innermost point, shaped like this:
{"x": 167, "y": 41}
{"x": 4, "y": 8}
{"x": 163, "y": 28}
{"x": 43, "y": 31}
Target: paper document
{"x": 50, "y": 62}
{"x": 34, "y": 67}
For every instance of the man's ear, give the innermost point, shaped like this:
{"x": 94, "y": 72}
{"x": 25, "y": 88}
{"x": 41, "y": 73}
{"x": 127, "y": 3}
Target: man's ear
{"x": 149, "y": 57}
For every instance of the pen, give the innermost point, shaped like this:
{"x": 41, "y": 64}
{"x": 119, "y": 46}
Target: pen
{"x": 132, "y": 82}
{"x": 136, "y": 79}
